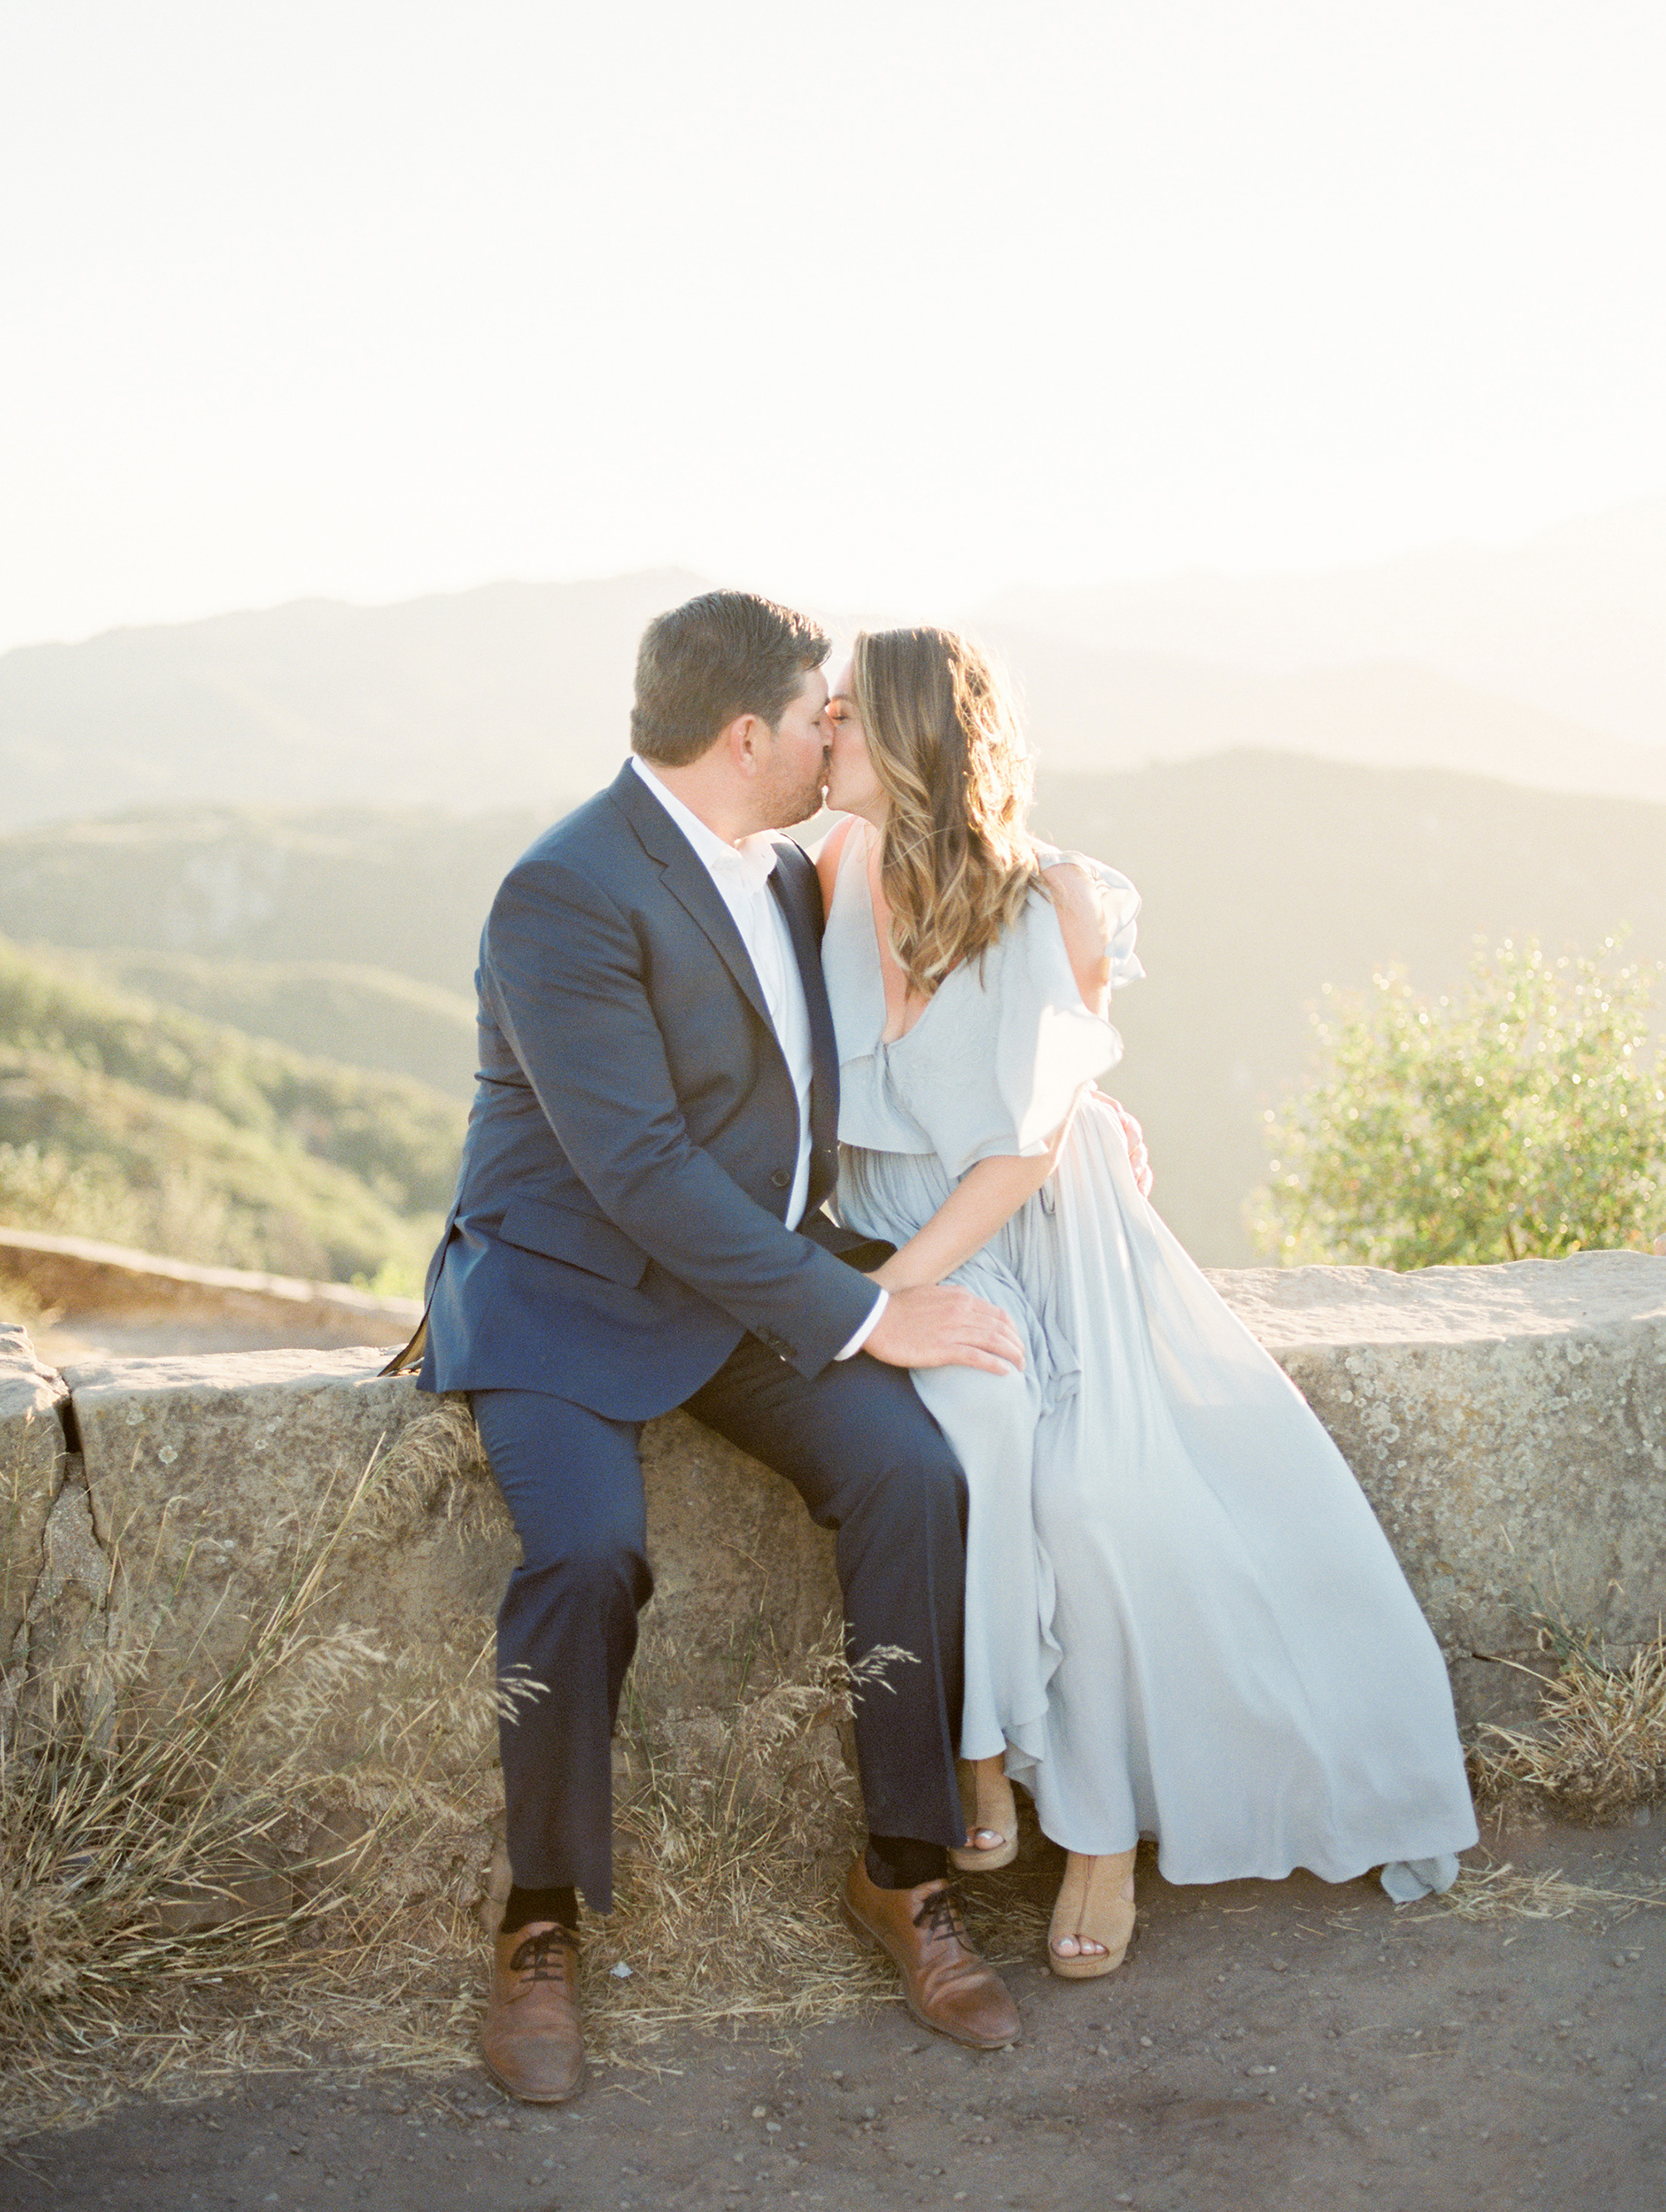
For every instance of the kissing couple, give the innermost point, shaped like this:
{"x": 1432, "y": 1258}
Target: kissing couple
{"x": 813, "y": 1149}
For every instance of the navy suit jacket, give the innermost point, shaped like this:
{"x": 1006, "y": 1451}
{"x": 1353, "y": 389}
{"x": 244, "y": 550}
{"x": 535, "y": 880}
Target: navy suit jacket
{"x": 619, "y": 1219}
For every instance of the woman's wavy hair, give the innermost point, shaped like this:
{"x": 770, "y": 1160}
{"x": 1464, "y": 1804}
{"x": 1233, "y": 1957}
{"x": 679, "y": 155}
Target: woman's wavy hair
{"x": 956, "y": 864}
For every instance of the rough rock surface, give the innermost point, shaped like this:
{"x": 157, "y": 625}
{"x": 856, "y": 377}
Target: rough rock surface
{"x": 65, "y": 1638}
{"x": 33, "y": 1459}
{"x": 738, "y": 1566}
{"x": 212, "y": 1476}
{"x": 215, "y": 1481}
{"x": 1508, "y": 1424}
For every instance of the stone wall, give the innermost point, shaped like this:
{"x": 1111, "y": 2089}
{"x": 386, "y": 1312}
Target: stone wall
{"x": 1508, "y": 1424}
{"x": 34, "y": 1462}
{"x": 140, "y": 1303}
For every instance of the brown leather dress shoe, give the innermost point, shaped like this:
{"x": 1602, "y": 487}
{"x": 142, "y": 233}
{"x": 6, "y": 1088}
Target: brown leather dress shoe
{"x": 946, "y": 1985}
{"x": 529, "y": 2038}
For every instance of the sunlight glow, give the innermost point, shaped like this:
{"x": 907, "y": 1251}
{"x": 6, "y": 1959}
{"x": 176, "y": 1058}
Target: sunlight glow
{"x": 875, "y": 304}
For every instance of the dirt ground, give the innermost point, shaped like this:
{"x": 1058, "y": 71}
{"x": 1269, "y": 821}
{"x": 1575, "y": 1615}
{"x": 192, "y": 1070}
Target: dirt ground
{"x": 1265, "y": 2046}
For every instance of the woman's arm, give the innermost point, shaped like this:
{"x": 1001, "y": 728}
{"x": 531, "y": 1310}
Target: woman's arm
{"x": 985, "y": 1196}
{"x": 1082, "y": 925}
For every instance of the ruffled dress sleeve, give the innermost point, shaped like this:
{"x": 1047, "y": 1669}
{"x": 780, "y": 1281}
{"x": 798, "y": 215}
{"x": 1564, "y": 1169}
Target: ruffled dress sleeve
{"x": 997, "y": 1061}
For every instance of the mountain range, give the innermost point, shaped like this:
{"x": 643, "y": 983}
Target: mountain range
{"x": 1543, "y": 663}
{"x": 1570, "y": 620}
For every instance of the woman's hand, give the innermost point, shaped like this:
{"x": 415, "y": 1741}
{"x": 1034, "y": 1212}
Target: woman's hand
{"x": 1134, "y": 1137}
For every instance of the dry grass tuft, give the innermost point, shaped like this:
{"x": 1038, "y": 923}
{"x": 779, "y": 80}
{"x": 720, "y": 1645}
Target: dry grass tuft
{"x": 734, "y": 1835}
{"x": 434, "y": 1470}
{"x": 732, "y": 1832}
{"x": 1501, "y": 1893}
{"x": 1599, "y": 1745}
{"x": 191, "y": 1882}
{"x": 288, "y": 1867}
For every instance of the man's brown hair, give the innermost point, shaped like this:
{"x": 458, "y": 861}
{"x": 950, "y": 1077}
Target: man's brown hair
{"x": 724, "y": 654}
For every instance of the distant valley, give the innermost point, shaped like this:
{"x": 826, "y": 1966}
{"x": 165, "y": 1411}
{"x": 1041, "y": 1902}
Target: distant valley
{"x": 349, "y": 933}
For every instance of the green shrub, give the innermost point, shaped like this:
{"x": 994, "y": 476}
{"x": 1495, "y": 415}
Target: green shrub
{"x": 1521, "y": 1116}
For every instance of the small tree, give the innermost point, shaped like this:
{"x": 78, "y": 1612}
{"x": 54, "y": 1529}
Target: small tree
{"x": 1521, "y": 1117}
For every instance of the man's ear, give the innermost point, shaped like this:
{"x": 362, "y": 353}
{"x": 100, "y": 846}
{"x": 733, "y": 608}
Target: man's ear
{"x": 744, "y": 738}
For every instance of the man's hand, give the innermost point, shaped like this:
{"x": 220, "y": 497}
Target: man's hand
{"x": 1139, "y": 1157}
{"x": 938, "y": 1325}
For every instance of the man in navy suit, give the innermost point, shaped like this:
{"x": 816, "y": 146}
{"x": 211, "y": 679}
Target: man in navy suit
{"x": 638, "y": 1225}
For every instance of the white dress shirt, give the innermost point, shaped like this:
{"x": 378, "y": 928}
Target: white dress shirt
{"x": 741, "y": 873}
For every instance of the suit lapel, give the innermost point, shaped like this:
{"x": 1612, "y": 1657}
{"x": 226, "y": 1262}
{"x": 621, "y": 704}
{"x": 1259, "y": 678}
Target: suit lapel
{"x": 685, "y": 876}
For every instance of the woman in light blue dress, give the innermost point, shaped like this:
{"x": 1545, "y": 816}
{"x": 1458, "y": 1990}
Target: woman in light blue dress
{"x": 1182, "y": 1619}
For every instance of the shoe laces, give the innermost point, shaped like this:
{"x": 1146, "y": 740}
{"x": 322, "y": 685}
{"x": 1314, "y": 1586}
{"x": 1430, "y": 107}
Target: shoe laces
{"x": 940, "y": 1914}
{"x": 535, "y": 1957}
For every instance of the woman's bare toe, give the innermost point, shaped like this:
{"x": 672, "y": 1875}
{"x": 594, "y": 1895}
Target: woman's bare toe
{"x": 992, "y": 1817}
{"x": 1093, "y": 1918}
{"x": 1077, "y": 1946}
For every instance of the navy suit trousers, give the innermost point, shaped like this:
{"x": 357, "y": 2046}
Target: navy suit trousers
{"x": 869, "y": 1462}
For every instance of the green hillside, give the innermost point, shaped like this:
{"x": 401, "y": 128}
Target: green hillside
{"x": 400, "y": 890}
{"x": 123, "y": 1119}
{"x": 326, "y": 1009}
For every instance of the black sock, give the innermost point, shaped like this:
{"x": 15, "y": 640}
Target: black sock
{"x": 900, "y": 1862}
{"x": 526, "y": 1905}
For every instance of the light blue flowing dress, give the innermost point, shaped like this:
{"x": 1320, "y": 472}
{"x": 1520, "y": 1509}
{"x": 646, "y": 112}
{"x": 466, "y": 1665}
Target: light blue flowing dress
{"x": 1183, "y": 1619}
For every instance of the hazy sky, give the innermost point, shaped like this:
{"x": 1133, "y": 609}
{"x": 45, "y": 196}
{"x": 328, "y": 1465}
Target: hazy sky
{"x": 894, "y": 300}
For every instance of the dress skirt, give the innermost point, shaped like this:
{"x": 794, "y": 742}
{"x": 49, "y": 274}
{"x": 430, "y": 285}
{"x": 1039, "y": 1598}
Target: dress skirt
{"x": 1183, "y": 1619}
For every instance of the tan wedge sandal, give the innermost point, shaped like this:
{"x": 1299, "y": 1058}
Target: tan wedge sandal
{"x": 1095, "y": 1906}
{"x": 986, "y": 1801}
